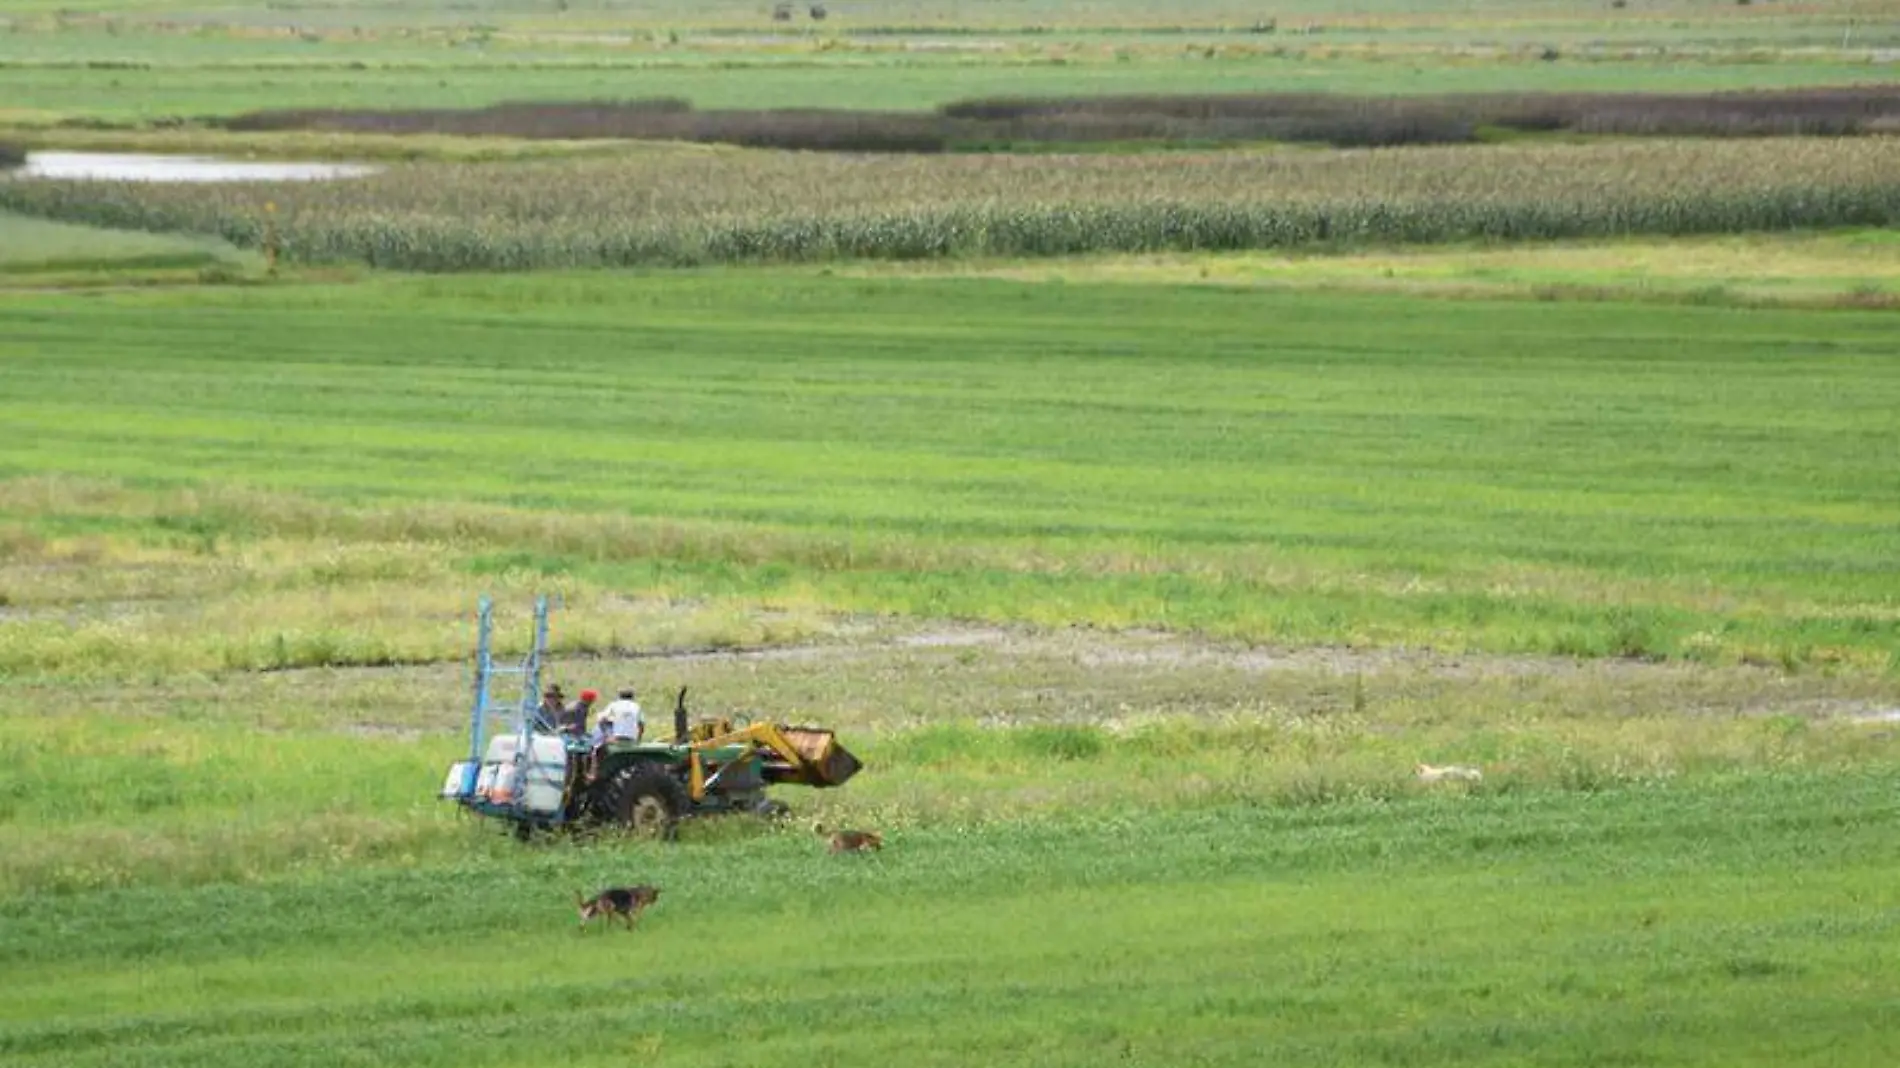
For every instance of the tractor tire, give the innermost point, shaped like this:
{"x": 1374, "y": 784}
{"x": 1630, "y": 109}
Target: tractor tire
{"x": 646, "y": 802}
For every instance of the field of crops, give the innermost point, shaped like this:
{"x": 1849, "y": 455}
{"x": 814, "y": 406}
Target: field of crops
{"x": 696, "y": 206}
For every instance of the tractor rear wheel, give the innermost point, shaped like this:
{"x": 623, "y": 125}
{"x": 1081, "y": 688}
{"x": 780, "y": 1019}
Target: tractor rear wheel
{"x": 647, "y": 802}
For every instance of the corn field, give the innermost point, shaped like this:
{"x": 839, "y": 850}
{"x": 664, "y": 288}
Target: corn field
{"x": 703, "y": 206}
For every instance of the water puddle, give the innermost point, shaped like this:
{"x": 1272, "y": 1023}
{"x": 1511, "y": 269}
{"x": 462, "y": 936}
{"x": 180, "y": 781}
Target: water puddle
{"x": 133, "y": 167}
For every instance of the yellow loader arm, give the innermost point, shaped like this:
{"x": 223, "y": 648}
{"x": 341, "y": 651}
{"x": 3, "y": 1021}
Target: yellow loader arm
{"x": 809, "y": 756}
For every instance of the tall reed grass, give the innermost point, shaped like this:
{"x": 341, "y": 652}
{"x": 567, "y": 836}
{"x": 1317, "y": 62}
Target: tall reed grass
{"x": 700, "y": 207}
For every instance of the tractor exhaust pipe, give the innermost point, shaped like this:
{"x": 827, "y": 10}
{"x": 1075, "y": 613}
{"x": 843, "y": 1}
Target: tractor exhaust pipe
{"x": 679, "y": 718}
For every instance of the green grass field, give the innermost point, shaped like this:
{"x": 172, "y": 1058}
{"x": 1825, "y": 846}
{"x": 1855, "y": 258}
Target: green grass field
{"x": 241, "y": 776}
{"x": 1589, "y": 479}
{"x": 1102, "y": 847}
{"x": 41, "y": 93}
{"x": 1731, "y": 923}
{"x": 37, "y": 247}
{"x": 38, "y": 94}
{"x": 1847, "y": 268}
{"x": 1140, "y": 582}
{"x": 135, "y": 62}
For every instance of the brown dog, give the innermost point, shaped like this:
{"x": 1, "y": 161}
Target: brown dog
{"x": 851, "y": 841}
{"x": 626, "y": 902}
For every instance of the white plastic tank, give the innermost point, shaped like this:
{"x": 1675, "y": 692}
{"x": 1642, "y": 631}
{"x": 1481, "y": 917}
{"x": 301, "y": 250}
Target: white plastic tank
{"x": 537, "y": 779}
{"x": 498, "y": 761}
{"x": 507, "y": 780}
{"x": 545, "y": 775}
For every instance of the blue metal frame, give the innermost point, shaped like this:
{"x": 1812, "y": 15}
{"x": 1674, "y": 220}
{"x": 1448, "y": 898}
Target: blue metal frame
{"x": 485, "y": 710}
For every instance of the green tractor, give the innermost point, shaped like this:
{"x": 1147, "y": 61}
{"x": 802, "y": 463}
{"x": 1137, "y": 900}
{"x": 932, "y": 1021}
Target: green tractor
{"x": 522, "y": 771}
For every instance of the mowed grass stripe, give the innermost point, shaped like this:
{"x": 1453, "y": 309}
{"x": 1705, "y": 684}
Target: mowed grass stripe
{"x": 826, "y": 485}
{"x": 328, "y": 79}
{"x": 1716, "y": 923}
{"x": 1350, "y": 435}
{"x": 1343, "y": 412}
{"x": 1756, "y": 386}
{"x": 1216, "y": 492}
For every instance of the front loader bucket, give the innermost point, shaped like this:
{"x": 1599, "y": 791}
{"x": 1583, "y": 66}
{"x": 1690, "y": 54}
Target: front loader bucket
{"x": 823, "y": 762}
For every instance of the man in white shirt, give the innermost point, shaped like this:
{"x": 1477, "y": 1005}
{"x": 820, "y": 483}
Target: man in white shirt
{"x": 622, "y": 719}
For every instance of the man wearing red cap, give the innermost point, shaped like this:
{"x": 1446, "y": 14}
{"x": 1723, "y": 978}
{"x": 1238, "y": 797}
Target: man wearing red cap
{"x": 574, "y": 720}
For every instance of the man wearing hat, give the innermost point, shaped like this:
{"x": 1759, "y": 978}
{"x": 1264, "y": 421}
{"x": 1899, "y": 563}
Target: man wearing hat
{"x": 552, "y": 711}
{"x": 622, "y": 720}
{"x": 619, "y": 721}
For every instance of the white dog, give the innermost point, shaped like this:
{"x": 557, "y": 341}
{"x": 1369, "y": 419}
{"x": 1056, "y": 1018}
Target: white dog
{"x": 1449, "y": 773}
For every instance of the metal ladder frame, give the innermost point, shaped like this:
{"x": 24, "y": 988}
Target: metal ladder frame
{"x": 485, "y": 709}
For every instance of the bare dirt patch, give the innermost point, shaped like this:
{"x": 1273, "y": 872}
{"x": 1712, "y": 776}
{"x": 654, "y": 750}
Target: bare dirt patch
{"x": 874, "y": 677}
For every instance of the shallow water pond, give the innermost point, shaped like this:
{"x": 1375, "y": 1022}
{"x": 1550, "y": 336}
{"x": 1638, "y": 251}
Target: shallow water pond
{"x": 134, "y": 167}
